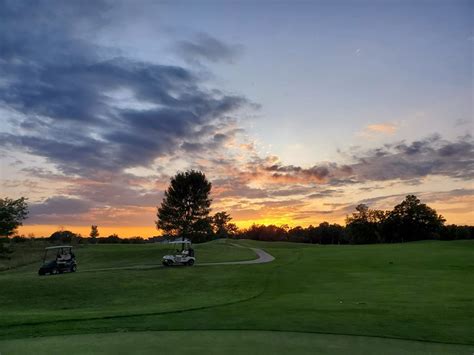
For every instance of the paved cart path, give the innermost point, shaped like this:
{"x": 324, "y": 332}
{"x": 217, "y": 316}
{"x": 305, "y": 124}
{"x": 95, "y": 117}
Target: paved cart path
{"x": 262, "y": 257}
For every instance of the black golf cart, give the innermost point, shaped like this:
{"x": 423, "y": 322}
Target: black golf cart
{"x": 57, "y": 260}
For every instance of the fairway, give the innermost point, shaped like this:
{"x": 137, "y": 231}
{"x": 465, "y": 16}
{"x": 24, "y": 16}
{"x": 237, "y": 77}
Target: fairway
{"x": 405, "y": 298}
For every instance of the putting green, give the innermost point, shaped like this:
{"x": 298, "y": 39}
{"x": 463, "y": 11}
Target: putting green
{"x": 223, "y": 342}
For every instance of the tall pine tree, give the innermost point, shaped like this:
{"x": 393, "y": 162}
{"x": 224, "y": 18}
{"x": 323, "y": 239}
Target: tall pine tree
{"x": 185, "y": 209}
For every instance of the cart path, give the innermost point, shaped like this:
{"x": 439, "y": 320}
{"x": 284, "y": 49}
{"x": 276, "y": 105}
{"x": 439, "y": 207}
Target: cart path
{"x": 262, "y": 257}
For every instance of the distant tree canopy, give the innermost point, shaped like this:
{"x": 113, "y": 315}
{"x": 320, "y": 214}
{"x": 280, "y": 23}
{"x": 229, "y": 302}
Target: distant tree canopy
{"x": 63, "y": 236}
{"x": 12, "y": 214}
{"x": 365, "y": 225}
{"x": 408, "y": 221}
{"x": 222, "y": 227}
{"x": 94, "y": 232}
{"x": 185, "y": 209}
{"x": 412, "y": 220}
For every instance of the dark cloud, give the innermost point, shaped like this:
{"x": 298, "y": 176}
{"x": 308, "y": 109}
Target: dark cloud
{"x": 318, "y": 172}
{"x": 116, "y": 192}
{"x": 417, "y": 147}
{"x": 58, "y": 205}
{"x": 206, "y": 48}
{"x": 326, "y": 173}
{"x": 408, "y": 162}
{"x": 430, "y": 156}
{"x": 94, "y": 113}
{"x": 208, "y": 147}
{"x": 71, "y": 94}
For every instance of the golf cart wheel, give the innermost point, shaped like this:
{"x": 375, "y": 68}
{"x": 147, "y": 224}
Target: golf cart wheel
{"x": 73, "y": 268}
{"x": 190, "y": 262}
{"x": 167, "y": 263}
{"x": 55, "y": 271}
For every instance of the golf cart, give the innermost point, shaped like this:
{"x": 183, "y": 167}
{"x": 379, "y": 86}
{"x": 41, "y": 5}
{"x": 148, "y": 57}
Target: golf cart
{"x": 57, "y": 260}
{"x": 184, "y": 254}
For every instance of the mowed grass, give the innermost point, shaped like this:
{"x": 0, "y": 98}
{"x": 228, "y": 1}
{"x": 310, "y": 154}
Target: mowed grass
{"x": 92, "y": 292}
{"x": 229, "y": 342}
{"x": 420, "y": 291}
{"x": 24, "y": 253}
{"x": 28, "y": 256}
{"x": 123, "y": 255}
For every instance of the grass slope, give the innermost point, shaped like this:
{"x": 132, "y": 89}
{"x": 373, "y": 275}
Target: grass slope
{"x": 417, "y": 291}
{"x": 27, "y": 256}
{"x": 25, "y": 253}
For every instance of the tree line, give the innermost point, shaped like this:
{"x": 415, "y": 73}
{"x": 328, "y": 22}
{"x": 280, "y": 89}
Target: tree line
{"x": 408, "y": 221}
{"x": 185, "y": 213}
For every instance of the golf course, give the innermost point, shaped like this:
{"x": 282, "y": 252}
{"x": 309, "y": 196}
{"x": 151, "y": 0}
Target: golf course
{"x": 414, "y": 298}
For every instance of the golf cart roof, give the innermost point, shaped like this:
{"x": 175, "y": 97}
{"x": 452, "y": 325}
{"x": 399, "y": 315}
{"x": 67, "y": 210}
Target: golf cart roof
{"x": 59, "y": 247}
{"x": 180, "y": 242}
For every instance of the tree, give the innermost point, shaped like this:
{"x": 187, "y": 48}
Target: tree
{"x": 12, "y": 214}
{"x": 329, "y": 233}
{"x": 365, "y": 225}
{"x": 268, "y": 233}
{"x": 63, "y": 236}
{"x": 94, "y": 233}
{"x": 222, "y": 227}
{"x": 413, "y": 220}
{"x": 185, "y": 208}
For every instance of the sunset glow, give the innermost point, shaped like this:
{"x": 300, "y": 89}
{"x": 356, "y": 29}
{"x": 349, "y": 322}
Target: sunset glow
{"x": 294, "y": 120}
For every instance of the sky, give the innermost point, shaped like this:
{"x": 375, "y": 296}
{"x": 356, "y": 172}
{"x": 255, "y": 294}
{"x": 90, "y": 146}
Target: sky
{"x": 296, "y": 111}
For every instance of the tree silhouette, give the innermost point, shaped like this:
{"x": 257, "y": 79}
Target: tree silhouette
{"x": 94, "y": 233}
{"x": 12, "y": 214}
{"x": 413, "y": 220}
{"x": 186, "y": 206}
{"x": 222, "y": 227}
{"x": 365, "y": 225}
{"x": 63, "y": 236}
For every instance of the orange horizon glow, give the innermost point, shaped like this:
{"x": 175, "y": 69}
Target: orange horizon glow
{"x": 45, "y": 230}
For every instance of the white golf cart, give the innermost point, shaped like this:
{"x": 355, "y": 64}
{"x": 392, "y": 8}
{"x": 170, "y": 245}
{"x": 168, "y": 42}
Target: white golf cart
{"x": 184, "y": 254}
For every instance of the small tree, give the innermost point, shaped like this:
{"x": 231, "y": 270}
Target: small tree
{"x": 222, "y": 227}
{"x": 94, "y": 233}
{"x": 12, "y": 214}
{"x": 186, "y": 206}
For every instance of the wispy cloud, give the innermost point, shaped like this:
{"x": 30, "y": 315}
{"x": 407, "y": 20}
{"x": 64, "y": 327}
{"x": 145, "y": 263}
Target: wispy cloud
{"x": 204, "y": 47}
{"x": 377, "y": 129}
